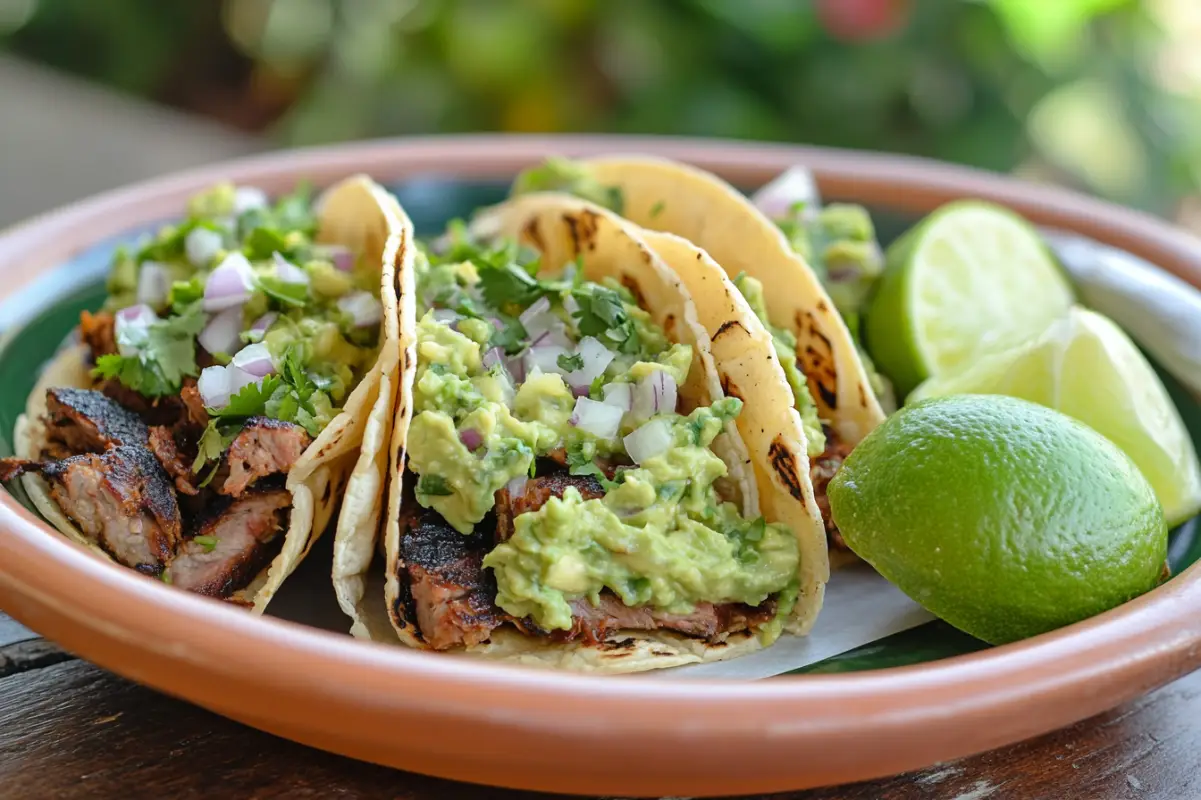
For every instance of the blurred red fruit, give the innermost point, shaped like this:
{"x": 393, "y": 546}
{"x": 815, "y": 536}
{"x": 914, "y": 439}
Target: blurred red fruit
{"x": 863, "y": 20}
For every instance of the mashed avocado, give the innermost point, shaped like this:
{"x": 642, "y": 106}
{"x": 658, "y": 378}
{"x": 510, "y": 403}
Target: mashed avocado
{"x": 785, "y": 343}
{"x": 490, "y": 398}
{"x": 661, "y": 538}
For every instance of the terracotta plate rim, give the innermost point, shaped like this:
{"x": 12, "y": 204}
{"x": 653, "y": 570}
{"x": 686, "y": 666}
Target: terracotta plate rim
{"x": 1004, "y": 693}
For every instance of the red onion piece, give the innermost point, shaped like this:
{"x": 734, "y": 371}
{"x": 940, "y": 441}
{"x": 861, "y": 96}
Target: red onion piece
{"x": 288, "y": 272}
{"x": 130, "y": 327}
{"x": 263, "y": 323}
{"x": 596, "y": 357}
{"x": 139, "y": 315}
{"x": 571, "y": 306}
{"x": 793, "y": 185}
{"x": 580, "y": 391}
{"x": 516, "y": 486}
{"x": 248, "y": 198}
{"x": 648, "y": 441}
{"x": 222, "y": 333}
{"x": 447, "y": 316}
{"x": 618, "y": 395}
{"x": 254, "y": 359}
{"x": 339, "y": 255}
{"x": 239, "y": 379}
{"x": 202, "y": 246}
{"x": 492, "y": 357}
{"x": 230, "y": 284}
{"x": 471, "y": 438}
{"x": 654, "y": 394}
{"x": 363, "y": 307}
{"x": 516, "y": 368}
{"x": 154, "y": 284}
{"x": 213, "y": 385}
{"x": 553, "y": 337}
{"x": 538, "y": 308}
{"x": 598, "y": 419}
{"x": 545, "y": 359}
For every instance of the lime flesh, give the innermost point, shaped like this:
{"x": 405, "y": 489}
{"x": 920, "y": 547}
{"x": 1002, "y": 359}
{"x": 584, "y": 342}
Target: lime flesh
{"x": 1004, "y": 518}
{"x": 1086, "y": 367}
{"x": 971, "y": 278}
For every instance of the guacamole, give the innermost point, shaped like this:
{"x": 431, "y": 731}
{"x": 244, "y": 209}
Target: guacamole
{"x": 240, "y": 299}
{"x": 515, "y": 368}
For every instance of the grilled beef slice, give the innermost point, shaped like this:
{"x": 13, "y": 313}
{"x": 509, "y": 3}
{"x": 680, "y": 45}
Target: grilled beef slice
{"x": 451, "y": 592}
{"x": 98, "y": 332}
{"x": 232, "y": 542}
{"x": 263, "y": 447}
{"x": 122, "y": 501}
{"x": 821, "y": 470}
{"x": 707, "y": 621}
{"x": 176, "y": 457}
{"x": 84, "y": 421}
{"x": 535, "y": 494}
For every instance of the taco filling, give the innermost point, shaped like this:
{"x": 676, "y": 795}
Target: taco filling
{"x": 226, "y": 344}
{"x": 557, "y": 480}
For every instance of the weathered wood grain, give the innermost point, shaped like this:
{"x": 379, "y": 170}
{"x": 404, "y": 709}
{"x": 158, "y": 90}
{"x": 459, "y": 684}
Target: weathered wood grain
{"x": 70, "y": 730}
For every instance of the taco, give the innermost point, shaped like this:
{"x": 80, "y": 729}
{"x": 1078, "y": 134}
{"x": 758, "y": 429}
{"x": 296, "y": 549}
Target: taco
{"x": 838, "y": 400}
{"x": 572, "y": 487}
{"x": 213, "y": 413}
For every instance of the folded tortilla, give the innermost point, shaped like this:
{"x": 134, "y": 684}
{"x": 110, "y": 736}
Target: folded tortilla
{"x": 353, "y": 213}
{"x": 759, "y": 445}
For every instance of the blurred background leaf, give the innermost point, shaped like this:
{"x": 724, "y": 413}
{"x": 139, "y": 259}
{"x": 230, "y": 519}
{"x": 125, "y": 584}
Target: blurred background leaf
{"x": 1098, "y": 94}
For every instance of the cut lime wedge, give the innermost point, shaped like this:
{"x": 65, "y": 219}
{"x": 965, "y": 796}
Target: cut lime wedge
{"x": 970, "y": 279}
{"x": 1086, "y": 367}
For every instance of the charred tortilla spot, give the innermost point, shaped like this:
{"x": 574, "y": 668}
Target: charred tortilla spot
{"x": 325, "y": 495}
{"x": 829, "y": 395}
{"x": 582, "y": 228}
{"x": 784, "y": 462}
{"x": 532, "y": 232}
{"x": 862, "y": 397}
{"x": 822, "y": 307}
{"x": 729, "y": 388}
{"x": 727, "y": 326}
{"x": 631, "y": 283}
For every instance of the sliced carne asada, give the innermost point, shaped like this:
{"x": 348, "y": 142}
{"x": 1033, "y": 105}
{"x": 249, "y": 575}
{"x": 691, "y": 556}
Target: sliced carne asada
{"x": 98, "y": 332}
{"x": 175, "y": 458}
{"x": 709, "y": 621}
{"x": 122, "y": 501}
{"x": 176, "y": 409}
{"x": 821, "y": 470}
{"x": 263, "y": 447}
{"x": 232, "y": 543}
{"x": 451, "y": 591}
{"x": 535, "y": 494}
{"x": 84, "y": 421}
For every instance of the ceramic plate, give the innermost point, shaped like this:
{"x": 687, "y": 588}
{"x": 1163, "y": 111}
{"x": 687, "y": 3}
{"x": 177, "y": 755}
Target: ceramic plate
{"x": 901, "y": 702}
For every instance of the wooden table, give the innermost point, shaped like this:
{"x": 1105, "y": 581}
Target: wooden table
{"x": 69, "y": 729}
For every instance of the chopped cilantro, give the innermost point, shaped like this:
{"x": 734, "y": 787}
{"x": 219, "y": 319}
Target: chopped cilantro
{"x": 166, "y": 353}
{"x": 657, "y": 209}
{"x": 286, "y": 294}
{"x": 602, "y": 314}
{"x": 580, "y": 461}
{"x": 756, "y": 530}
{"x": 261, "y": 242}
{"x": 571, "y": 362}
{"x": 434, "y": 486}
{"x": 209, "y": 543}
{"x": 251, "y": 400}
{"x": 185, "y": 293}
{"x": 511, "y": 336}
{"x": 510, "y": 287}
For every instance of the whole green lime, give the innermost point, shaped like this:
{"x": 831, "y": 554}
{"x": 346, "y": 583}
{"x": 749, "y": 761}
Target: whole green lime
{"x": 1002, "y": 517}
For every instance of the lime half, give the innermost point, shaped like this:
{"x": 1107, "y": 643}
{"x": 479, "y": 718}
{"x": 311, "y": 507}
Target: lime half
{"x": 971, "y": 278}
{"x": 1086, "y": 367}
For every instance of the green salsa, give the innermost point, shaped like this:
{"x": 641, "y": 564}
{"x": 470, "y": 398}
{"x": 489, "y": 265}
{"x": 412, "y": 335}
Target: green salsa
{"x": 491, "y": 397}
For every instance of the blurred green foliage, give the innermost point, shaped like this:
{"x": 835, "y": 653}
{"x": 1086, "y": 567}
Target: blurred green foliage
{"x": 1102, "y": 94}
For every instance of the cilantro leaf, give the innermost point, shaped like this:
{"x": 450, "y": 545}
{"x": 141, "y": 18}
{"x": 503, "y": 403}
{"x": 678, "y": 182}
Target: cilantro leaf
{"x": 511, "y": 336}
{"x": 251, "y": 399}
{"x": 166, "y": 353}
{"x": 184, "y": 293}
{"x": 509, "y": 287}
{"x": 286, "y": 294}
{"x": 261, "y": 242}
{"x": 580, "y": 461}
{"x": 602, "y": 314}
{"x": 571, "y": 362}
{"x": 657, "y": 209}
{"x": 434, "y": 486}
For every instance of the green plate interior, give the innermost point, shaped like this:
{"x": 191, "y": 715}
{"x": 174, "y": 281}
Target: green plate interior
{"x": 40, "y": 318}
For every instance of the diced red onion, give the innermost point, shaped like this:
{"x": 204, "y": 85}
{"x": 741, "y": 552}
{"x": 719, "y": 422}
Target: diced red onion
{"x": 263, "y": 323}
{"x": 248, "y": 198}
{"x": 571, "y": 306}
{"x": 202, "y": 246}
{"x": 556, "y": 336}
{"x": 255, "y": 359}
{"x": 580, "y": 391}
{"x": 654, "y": 394}
{"x": 492, "y": 357}
{"x": 537, "y": 308}
{"x": 648, "y": 441}
{"x": 288, "y": 272}
{"x": 496, "y": 323}
{"x": 154, "y": 284}
{"x": 471, "y": 438}
{"x": 339, "y": 255}
{"x": 363, "y": 307}
{"x": 213, "y": 385}
{"x": 538, "y": 319}
{"x": 596, "y": 357}
{"x": 793, "y": 185}
{"x": 222, "y": 333}
{"x": 545, "y": 359}
{"x": 507, "y": 391}
{"x": 129, "y": 329}
{"x": 516, "y": 368}
{"x": 447, "y": 316}
{"x": 516, "y": 486}
{"x": 230, "y": 284}
{"x": 601, "y": 420}
{"x": 618, "y": 395}
{"x": 239, "y": 379}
